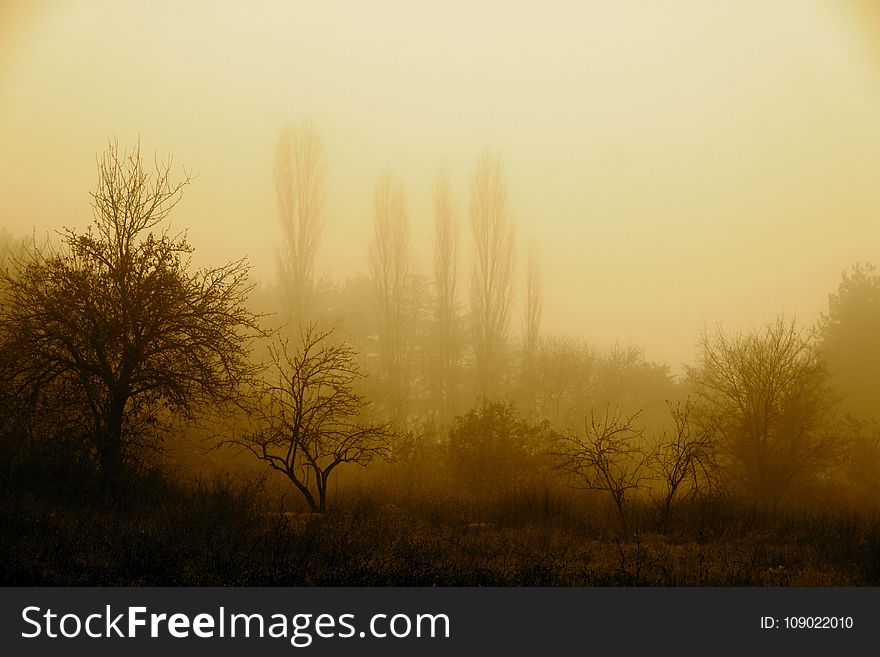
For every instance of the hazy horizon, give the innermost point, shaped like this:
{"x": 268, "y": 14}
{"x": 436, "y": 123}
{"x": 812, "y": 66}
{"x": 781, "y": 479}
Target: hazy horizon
{"x": 676, "y": 164}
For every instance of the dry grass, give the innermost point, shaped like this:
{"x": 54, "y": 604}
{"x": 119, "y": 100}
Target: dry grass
{"x": 221, "y": 533}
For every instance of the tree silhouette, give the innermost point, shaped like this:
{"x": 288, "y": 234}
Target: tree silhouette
{"x": 445, "y": 285}
{"x": 309, "y": 419}
{"x": 850, "y": 341}
{"x": 534, "y": 307}
{"x": 608, "y": 456}
{"x": 300, "y": 173}
{"x": 766, "y": 392}
{"x": 492, "y": 283}
{"x": 113, "y": 329}
{"x": 390, "y": 260}
{"x": 685, "y": 457}
{"x": 491, "y": 449}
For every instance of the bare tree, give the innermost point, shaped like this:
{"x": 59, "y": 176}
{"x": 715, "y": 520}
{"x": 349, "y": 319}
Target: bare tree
{"x": 608, "y": 456}
{"x": 767, "y": 394}
{"x": 445, "y": 284}
{"x": 114, "y": 328}
{"x": 310, "y": 419}
{"x": 390, "y": 260}
{"x": 685, "y": 457}
{"x": 492, "y": 285}
{"x": 300, "y": 173}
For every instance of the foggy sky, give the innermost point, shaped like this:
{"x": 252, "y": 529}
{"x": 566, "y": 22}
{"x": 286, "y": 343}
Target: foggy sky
{"x": 677, "y": 163}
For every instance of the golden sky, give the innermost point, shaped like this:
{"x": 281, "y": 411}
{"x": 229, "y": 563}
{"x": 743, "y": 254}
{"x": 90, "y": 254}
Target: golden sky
{"x": 678, "y": 162}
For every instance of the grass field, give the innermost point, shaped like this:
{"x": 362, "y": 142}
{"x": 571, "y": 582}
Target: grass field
{"x": 224, "y": 533}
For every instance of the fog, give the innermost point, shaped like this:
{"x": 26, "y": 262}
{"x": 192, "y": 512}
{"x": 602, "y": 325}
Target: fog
{"x": 587, "y": 291}
{"x": 676, "y": 164}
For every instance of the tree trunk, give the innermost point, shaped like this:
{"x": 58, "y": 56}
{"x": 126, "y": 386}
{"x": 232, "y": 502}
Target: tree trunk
{"x": 110, "y": 462}
{"x": 322, "y": 491}
{"x": 303, "y": 488}
{"x": 110, "y": 451}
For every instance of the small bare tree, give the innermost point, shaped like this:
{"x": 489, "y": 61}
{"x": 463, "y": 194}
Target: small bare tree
{"x": 310, "y": 419}
{"x": 685, "y": 457}
{"x": 607, "y": 457}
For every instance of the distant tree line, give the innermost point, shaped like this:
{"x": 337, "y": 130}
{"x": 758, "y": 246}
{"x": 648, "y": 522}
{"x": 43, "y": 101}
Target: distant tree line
{"x": 761, "y": 413}
{"x": 111, "y": 339}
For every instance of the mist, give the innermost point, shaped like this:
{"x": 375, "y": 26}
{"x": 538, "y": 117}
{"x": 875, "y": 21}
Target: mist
{"x": 581, "y": 288}
{"x": 676, "y": 166}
